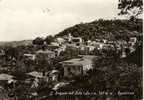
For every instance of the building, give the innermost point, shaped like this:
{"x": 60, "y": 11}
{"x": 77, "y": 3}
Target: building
{"x": 86, "y": 50}
{"x": 78, "y": 66}
{"x": 45, "y": 53}
{"x": 74, "y": 40}
{"x": 2, "y": 56}
{"x": 91, "y": 48}
{"x": 60, "y": 49}
{"x": 35, "y": 74}
{"x": 53, "y": 76}
{"x": 52, "y": 47}
{"x": 2, "y": 52}
{"x": 54, "y": 44}
{"x": 60, "y": 40}
{"x": 4, "y": 76}
{"x": 132, "y": 41}
{"x": 30, "y": 56}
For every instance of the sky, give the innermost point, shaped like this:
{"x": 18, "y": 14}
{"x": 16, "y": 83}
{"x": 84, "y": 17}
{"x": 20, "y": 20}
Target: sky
{"x": 28, "y": 19}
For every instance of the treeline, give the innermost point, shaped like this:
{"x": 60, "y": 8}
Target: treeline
{"x": 109, "y": 29}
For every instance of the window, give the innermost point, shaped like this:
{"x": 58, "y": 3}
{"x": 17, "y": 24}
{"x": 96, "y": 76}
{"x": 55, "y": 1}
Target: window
{"x": 76, "y": 40}
{"x": 68, "y": 69}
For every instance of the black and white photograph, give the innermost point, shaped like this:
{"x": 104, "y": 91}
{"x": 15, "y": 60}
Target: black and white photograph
{"x": 71, "y": 49}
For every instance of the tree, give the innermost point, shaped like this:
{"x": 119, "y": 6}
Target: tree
{"x": 136, "y": 56}
{"x": 38, "y": 41}
{"x": 99, "y": 29}
{"x": 130, "y": 7}
{"x": 115, "y": 76}
{"x": 11, "y": 52}
{"x": 49, "y": 39}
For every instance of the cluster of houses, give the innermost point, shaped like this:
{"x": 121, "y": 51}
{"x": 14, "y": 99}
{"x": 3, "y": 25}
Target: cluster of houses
{"x": 78, "y": 66}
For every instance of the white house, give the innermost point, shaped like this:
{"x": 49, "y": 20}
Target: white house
{"x": 78, "y": 66}
{"x": 30, "y": 56}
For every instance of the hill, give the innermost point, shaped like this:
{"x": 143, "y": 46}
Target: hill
{"x": 16, "y": 43}
{"x": 109, "y": 29}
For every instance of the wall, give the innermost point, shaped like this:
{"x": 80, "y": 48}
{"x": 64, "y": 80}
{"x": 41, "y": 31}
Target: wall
{"x": 71, "y": 71}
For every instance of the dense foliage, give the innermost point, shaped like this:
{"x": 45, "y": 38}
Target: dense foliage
{"x": 136, "y": 56}
{"x": 38, "y": 41}
{"x": 128, "y": 5}
{"x": 109, "y": 29}
{"x": 49, "y": 39}
{"x": 111, "y": 76}
{"x": 110, "y": 72}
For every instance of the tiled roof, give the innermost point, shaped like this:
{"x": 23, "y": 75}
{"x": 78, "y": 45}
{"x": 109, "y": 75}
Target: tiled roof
{"x": 44, "y": 51}
{"x": 85, "y": 60}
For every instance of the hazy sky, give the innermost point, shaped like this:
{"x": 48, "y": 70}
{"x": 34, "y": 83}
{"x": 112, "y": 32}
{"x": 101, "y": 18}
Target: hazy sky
{"x": 27, "y": 19}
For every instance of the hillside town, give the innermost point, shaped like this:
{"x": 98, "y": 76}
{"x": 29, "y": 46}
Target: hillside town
{"x": 42, "y": 69}
{"x": 71, "y": 50}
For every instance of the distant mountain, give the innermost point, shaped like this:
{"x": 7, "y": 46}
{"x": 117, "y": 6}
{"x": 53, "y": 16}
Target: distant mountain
{"x": 16, "y": 43}
{"x": 109, "y": 29}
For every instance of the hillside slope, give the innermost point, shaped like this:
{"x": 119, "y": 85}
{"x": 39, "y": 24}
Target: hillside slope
{"x": 16, "y": 43}
{"x": 109, "y": 29}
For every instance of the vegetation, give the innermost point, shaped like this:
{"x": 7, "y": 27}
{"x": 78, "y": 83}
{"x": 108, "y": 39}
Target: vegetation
{"x": 38, "y": 41}
{"x": 112, "y": 76}
{"x": 110, "y": 73}
{"x": 109, "y": 29}
{"x": 49, "y": 39}
{"x": 136, "y": 57}
{"x": 126, "y": 7}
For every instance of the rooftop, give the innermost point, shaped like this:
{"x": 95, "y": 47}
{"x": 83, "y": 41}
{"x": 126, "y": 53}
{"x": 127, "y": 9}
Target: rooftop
{"x": 5, "y": 77}
{"x": 44, "y": 51}
{"x": 35, "y": 74}
{"x": 83, "y": 60}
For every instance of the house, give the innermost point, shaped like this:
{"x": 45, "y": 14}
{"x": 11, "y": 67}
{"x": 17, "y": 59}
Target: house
{"x": 135, "y": 40}
{"x": 98, "y": 43}
{"x": 2, "y": 56}
{"x": 78, "y": 66}
{"x": 123, "y": 55}
{"x": 4, "y": 76}
{"x": 132, "y": 41}
{"x": 2, "y": 52}
{"x": 35, "y": 74}
{"x": 53, "y": 76}
{"x": 54, "y": 44}
{"x": 85, "y": 50}
{"x": 52, "y": 47}
{"x": 71, "y": 47}
{"x": 105, "y": 41}
{"x": 45, "y": 53}
{"x": 30, "y": 56}
{"x": 74, "y": 40}
{"x": 60, "y": 40}
{"x": 97, "y": 40}
{"x": 60, "y": 49}
{"x": 110, "y": 42}
{"x": 44, "y": 57}
{"x": 91, "y": 48}
{"x": 59, "y": 85}
{"x": 88, "y": 42}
